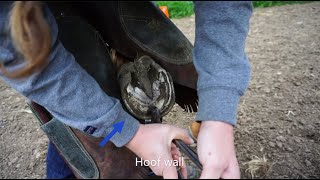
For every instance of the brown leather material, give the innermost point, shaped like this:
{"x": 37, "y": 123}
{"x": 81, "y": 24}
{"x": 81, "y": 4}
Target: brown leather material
{"x": 112, "y": 162}
{"x": 40, "y": 112}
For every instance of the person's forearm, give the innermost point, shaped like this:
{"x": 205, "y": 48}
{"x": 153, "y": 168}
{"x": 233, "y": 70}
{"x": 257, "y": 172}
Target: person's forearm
{"x": 219, "y": 58}
{"x": 67, "y": 91}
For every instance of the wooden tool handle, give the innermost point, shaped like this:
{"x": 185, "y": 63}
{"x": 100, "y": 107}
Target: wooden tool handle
{"x": 194, "y": 129}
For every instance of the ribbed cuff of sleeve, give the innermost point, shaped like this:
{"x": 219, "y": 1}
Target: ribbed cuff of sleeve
{"x": 218, "y": 105}
{"x": 130, "y": 127}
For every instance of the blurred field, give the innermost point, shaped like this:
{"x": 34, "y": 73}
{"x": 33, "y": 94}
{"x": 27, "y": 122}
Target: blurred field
{"x": 180, "y": 9}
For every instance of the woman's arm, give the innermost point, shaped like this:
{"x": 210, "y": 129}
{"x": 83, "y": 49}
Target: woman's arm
{"x": 64, "y": 88}
{"x": 219, "y": 58}
{"x": 224, "y": 74}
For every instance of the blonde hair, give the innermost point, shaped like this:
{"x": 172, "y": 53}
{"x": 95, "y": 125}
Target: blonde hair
{"x": 31, "y": 37}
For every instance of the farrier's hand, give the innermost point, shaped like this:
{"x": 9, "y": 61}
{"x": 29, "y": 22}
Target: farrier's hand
{"x": 216, "y": 151}
{"x": 155, "y": 140}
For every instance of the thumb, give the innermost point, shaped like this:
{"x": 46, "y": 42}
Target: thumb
{"x": 170, "y": 172}
{"x": 182, "y": 134}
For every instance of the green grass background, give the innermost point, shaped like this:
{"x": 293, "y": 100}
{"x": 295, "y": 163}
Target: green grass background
{"x": 179, "y": 9}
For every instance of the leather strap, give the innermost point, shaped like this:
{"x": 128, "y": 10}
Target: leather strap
{"x": 71, "y": 149}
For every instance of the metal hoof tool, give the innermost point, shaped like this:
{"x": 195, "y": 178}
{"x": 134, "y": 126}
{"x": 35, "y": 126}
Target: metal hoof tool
{"x": 188, "y": 151}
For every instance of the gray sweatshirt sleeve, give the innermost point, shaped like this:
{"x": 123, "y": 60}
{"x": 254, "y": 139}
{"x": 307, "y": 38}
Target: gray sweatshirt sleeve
{"x": 65, "y": 89}
{"x": 219, "y": 57}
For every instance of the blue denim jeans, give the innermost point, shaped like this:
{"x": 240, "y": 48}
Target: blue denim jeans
{"x": 56, "y": 167}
